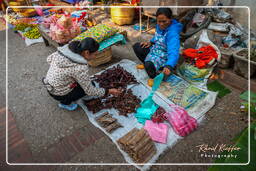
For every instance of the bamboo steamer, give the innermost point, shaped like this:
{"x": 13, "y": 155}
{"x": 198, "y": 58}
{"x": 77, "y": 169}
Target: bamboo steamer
{"x": 102, "y": 57}
{"x": 122, "y": 16}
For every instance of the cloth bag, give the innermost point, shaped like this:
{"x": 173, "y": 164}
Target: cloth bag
{"x": 182, "y": 123}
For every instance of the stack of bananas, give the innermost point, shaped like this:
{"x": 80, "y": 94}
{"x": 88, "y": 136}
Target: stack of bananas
{"x": 33, "y": 33}
{"x": 31, "y": 30}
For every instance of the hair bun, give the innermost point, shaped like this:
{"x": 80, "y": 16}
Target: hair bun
{"x": 75, "y": 47}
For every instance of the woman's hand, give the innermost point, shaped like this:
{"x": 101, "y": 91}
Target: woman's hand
{"x": 115, "y": 92}
{"x": 145, "y": 44}
{"x": 166, "y": 71}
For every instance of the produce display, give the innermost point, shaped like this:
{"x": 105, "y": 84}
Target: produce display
{"x": 33, "y": 33}
{"x": 115, "y": 77}
{"x": 138, "y": 144}
{"x": 23, "y": 26}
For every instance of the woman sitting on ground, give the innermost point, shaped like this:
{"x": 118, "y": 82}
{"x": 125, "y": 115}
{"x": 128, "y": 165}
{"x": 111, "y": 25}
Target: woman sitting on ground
{"x": 162, "y": 52}
{"x": 67, "y": 79}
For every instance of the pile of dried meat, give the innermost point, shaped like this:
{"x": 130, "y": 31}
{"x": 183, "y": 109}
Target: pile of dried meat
{"x": 108, "y": 122}
{"x": 114, "y": 78}
{"x": 126, "y": 103}
{"x": 138, "y": 144}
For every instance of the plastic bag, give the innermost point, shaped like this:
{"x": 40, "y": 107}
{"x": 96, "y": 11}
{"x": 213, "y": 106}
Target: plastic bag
{"x": 157, "y": 132}
{"x": 233, "y": 37}
{"x": 222, "y": 27}
{"x": 65, "y": 22}
{"x": 182, "y": 123}
{"x": 61, "y": 34}
{"x": 205, "y": 41}
{"x": 198, "y": 19}
{"x": 194, "y": 75}
{"x": 148, "y": 107}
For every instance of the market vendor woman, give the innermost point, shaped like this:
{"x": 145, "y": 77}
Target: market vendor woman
{"x": 162, "y": 52}
{"x": 67, "y": 79}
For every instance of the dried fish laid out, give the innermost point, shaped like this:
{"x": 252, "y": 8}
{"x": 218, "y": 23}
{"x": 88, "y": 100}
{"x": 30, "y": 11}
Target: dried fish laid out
{"x": 108, "y": 122}
{"x": 114, "y": 78}
{"x": 138, "y": 144}
{"x": 126, "y": 103}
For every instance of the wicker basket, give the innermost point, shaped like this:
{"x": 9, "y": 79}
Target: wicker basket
{"x": 102, "y": 57}
{"x": 122, "y": 16}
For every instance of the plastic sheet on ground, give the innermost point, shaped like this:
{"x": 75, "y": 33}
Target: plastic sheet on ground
{"x": 142, "y": 91}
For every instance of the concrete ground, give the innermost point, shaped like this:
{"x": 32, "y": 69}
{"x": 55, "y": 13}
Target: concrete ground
{"x": 47, "y": 129}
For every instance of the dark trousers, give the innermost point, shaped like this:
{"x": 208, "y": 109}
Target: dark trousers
{"x": 72, "y": 96}
{"x": 142, "y": 53}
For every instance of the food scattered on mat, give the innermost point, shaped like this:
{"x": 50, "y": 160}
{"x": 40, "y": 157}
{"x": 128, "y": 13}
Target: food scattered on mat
{"x": 115, "y": 77}
{"x": 94, "y": 105}
{"x": 138, "y": 144}
{"x": 126, "y": 103}
{"x": 107, "y": 122}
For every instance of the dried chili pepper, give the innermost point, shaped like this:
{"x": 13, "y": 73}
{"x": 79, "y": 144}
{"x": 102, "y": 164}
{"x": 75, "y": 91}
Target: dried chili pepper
{"x": 115, "y": 77}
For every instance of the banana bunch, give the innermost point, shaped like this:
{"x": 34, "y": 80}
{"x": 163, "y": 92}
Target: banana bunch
{"x": 33, "y": 33}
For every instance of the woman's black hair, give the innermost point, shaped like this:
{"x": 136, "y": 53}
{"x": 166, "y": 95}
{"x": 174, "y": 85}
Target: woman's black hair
{"x": 164, "y": 11}
{"x": 86, "y": 44}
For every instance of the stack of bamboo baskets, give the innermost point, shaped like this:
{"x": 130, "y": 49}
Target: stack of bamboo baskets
{"x": 138, "y": 144}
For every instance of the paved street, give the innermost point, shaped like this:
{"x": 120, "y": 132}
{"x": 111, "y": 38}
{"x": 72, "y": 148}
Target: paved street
{"x": 41, "y": 132}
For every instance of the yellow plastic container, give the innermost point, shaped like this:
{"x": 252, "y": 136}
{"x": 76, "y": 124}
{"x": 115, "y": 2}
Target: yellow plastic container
{"x": 122, "y": 16}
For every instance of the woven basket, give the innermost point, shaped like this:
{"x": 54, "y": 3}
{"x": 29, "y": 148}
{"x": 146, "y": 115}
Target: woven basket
{"x": 102, "y": 57}
{"x": 122, "y": 16}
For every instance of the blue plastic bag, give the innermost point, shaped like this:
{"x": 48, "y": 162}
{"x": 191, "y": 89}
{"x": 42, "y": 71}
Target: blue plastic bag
{"x": 148, "y": 107}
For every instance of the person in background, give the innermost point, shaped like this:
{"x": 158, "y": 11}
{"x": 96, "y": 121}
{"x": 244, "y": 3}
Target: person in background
{"x": 161, "y": 53}
{"x": 67, "y": 79}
